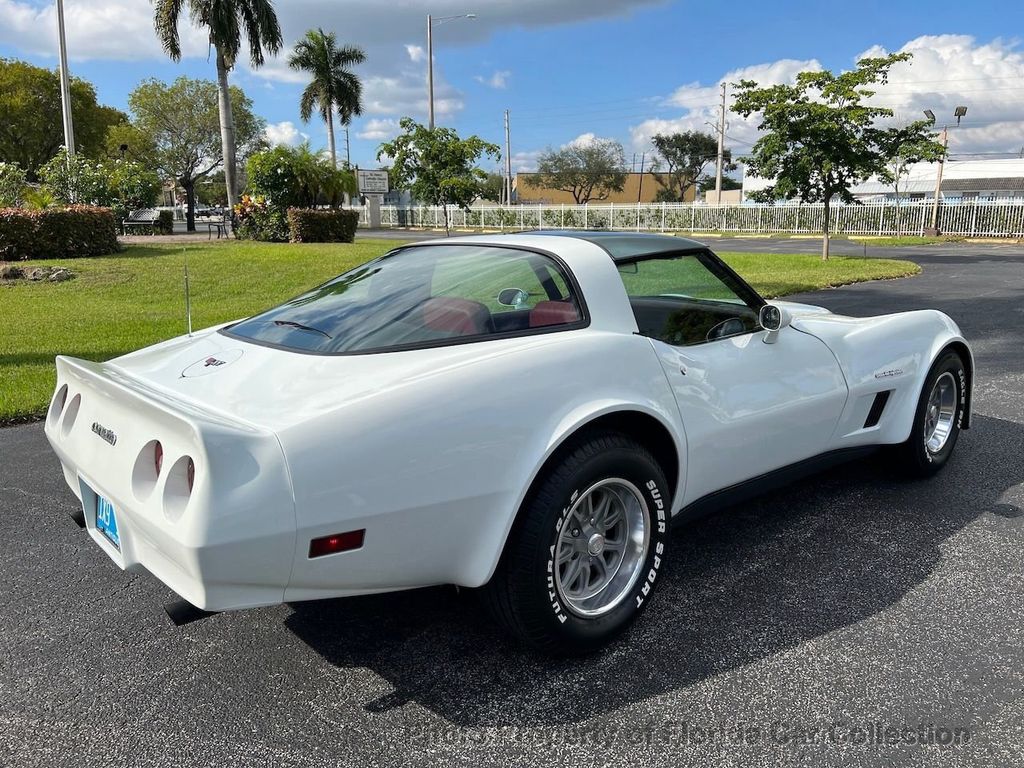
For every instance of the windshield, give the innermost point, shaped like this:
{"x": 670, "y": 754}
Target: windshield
{"x": 423, "y": 296}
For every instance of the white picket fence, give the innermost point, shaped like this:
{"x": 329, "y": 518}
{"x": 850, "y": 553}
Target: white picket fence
{"x": 983, "y": 218}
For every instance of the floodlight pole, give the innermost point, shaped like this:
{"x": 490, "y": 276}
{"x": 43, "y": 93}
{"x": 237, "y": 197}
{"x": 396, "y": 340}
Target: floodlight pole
{"x": 65, "y": 83}
{"x": 938, "y": 180}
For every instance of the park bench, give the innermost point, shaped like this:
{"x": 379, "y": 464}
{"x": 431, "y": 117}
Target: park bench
{"x": 144, "y": 218}
{"x": 213, "y": 223}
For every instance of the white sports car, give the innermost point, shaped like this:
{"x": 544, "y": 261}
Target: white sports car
{"x": 521, "y": 413}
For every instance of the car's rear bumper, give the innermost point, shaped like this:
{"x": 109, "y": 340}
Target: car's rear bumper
{"x": 228, "y": 541}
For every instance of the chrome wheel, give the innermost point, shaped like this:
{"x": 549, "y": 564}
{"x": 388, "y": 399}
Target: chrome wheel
{"x": 602, "y": 547}
{"x": 940, "y": 413}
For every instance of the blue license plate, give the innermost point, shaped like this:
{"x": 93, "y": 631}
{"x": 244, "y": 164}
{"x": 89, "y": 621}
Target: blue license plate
{"x": 106, "y": 520}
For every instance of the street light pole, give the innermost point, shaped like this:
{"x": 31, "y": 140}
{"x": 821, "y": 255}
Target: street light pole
{"x": 430, "y": 72}
{"x": 430, "y": 59}
{"x": 65, "y": 83}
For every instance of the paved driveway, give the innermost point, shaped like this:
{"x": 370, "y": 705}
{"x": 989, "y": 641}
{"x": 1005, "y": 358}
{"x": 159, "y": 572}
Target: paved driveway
{"x": 797, "y": 628}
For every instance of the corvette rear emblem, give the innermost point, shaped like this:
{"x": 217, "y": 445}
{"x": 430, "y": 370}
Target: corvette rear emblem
{"x": 213, "y": 361}
{"x": 107, "y": 434}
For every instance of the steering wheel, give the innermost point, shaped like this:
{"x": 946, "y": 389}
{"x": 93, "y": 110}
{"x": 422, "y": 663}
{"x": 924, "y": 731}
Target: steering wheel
{"x": 731, "y": 326}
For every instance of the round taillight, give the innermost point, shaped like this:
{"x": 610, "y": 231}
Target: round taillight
{"x": 190, "y": 473}
{"x": 158, "y": 457}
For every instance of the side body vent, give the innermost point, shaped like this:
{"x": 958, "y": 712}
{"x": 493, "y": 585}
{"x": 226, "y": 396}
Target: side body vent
{"x": 876, "y": 408}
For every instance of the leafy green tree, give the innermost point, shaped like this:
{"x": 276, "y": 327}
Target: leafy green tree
{"x": 686, "y": 155}
{"x": 907, "y": 145}
{"x": 12, "y": 185}
{"x": 211, "y": 191}
{"x": 181, "y": 121}
{"x": 728, "y": 182}
{"x": 31, "y": 126}
{"x": 493, "y": 187}
{"x": 225, "y": 20}
{"x": 127, "y": 141}
{"x": 333, "y": 86}
{"x": 587, "y": 170}
{"x": 437, "y": 166}
{"x": 818, "y": 137}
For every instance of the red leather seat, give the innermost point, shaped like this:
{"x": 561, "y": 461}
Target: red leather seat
{"x": 459, "y": 317}
{"x": 553, "y": 313}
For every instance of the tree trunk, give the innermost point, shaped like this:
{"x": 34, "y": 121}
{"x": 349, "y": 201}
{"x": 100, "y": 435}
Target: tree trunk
{"x": 447, "y": 228}
{"x": 330, "y": 137}
{"x": 227, "y": 130}
{"x": 190, "y": 203}
{"x": 824, "y": 239}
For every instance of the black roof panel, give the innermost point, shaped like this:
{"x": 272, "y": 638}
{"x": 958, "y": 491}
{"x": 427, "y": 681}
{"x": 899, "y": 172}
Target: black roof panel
{"x": 624, "y": 246}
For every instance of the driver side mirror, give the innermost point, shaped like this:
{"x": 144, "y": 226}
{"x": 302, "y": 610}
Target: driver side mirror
{"x": 773, "y": 319}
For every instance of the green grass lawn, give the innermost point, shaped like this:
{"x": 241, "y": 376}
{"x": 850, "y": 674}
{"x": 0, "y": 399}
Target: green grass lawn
{"x": 121, "y": 303}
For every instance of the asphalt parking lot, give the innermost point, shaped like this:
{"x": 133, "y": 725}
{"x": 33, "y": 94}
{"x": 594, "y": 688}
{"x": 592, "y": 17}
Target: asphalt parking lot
{"x": 795, "y": 629}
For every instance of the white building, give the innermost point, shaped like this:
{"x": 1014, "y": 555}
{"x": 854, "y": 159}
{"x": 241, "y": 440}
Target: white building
{"x": 961, "y": 180}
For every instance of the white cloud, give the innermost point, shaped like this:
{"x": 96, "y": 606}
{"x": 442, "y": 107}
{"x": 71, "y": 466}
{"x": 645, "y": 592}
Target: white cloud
{"x": 497, "y": 80}
{"x": 946, "y": 71}
{"x": 284, "y": 133}
{"x": 379, "y": 130}
{"x": 701, "y": 103}
{"x": 583, "y": 140}
{"x": 113, "y": 29}
{"x": 123, "y": 30}
{"x": 953, "y": 70}
{"x": 525, "y": 161}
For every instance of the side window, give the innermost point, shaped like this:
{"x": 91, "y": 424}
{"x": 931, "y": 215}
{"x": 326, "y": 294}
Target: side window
{"x": 484, "y": 283}
{"x": 687, "y": 300}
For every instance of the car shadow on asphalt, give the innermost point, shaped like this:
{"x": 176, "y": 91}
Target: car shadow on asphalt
{"x": 748, "y": 583}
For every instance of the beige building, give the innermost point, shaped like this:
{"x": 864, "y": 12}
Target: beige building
{"x": 639, "y": 187}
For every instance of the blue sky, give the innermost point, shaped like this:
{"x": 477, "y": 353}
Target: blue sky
{"x": 568, "y": 69}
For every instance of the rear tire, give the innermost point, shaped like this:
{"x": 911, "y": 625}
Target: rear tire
{"x": 587, "y": 547}
{"x": 937, "y": 420}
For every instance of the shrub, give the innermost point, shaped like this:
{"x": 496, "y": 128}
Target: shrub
{"x": 76, "y": 180}
{"x": 330, "y": 225}
{"x": 57, "y": 233}
{"x": 12, "y": 185}
{"x": 296, "y": 177}
{"x": 164, "y": 223}
{"x": 259, "y": 220}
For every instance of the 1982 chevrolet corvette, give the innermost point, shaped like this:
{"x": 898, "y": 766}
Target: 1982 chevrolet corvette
{"x": 522, "y": 413}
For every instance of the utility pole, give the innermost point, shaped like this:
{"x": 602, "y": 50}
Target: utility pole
{"x": 508, "y": 162}
{"x": 430, "y": 72}
{"x": 65, "y": 84}
{"x": 721, "y": 150}
{"x": 640, "y": 186}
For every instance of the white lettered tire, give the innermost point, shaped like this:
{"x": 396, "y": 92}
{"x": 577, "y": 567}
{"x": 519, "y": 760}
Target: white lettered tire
{"x": 587, "y": 549}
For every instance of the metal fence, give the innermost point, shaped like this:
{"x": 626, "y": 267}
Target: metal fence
{"x": 983, "y": 218}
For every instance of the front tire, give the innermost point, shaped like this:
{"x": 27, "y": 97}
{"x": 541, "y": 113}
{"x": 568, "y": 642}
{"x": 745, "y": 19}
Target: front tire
{"x": 938, "y": 418}
{"x": 587, "y": 547}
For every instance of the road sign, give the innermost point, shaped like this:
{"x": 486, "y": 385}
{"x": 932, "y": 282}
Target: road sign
{"x": 373, "y": 182}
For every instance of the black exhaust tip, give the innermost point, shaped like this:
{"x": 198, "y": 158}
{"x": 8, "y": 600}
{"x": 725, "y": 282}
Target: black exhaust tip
{"x": 182, "y": 612}
{"x": 79, "y": 517}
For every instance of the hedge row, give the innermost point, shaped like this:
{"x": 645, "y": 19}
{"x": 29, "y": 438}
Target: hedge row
{"x": 57, "y": 233}
{"x": 322, "y": 225}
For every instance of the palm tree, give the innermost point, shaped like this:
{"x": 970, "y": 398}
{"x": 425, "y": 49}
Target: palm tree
{"x": 334, "y": 85}
{"x": 226, "y": 20}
